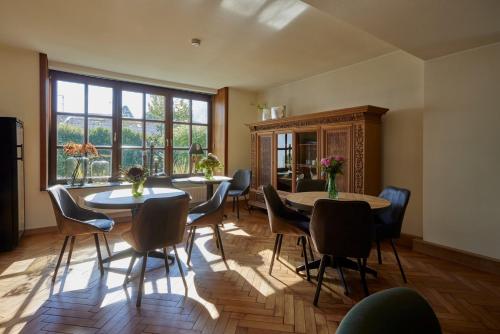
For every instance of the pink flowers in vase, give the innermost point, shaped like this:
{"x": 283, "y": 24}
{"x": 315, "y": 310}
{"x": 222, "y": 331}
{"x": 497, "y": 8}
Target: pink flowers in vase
{"x": 333, "y": 165}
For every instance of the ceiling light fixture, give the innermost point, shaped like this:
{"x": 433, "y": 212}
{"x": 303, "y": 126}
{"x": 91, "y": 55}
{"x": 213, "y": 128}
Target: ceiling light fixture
{"x": 195, "y": 42}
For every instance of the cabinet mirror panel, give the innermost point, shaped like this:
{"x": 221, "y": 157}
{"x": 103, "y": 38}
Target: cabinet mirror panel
{"x": 307, "y": 155}
{"x": 284, "y": 171}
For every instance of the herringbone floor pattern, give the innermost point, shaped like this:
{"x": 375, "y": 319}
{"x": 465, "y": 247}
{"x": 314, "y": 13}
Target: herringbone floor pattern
{"x": 234, "y": 297}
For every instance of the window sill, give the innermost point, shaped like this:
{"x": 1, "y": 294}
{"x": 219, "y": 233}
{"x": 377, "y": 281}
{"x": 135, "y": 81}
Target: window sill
{"x": 99, "y": 185}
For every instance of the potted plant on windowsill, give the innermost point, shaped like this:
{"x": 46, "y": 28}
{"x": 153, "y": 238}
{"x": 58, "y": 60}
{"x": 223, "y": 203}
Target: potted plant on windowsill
{"x": 208, "y": 165}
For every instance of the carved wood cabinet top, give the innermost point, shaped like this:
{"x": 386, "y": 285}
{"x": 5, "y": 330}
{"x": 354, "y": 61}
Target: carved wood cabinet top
{"x": 368, "y": 112}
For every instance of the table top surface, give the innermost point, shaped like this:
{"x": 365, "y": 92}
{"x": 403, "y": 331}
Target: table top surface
{"x": 307, "y": 199}
{"x": 123, "y": 199}
{"x": 201, "y": 179}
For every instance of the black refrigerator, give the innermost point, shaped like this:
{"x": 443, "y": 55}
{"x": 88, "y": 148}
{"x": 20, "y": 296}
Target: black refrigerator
{"x": 11, "y": 182}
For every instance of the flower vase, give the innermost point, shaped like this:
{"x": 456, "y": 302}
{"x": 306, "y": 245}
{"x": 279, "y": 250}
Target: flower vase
{"x": 209, "y": 173}
{"x": 79, "y": 173}
{"x": 138, "y": 188}
{"x": 332, "y": 187}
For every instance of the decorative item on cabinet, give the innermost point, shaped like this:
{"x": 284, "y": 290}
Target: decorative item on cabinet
{"x": 278, "y": 112}
{"x": 353, "y": 133}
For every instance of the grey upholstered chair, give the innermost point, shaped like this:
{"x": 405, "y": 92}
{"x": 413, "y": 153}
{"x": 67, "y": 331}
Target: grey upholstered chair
{"x": 159, "y": 223}
{"x": 341, "y": 229}
{"x": 210, "y": 213}
{"x": 392, "y": 311}
{"x": 304, "y": 185}
{"x": 73, "y": 220}
{"x": 285, "y": 221}
{"x": 389, "y": 221}
{"x": 240, "y": 186}
{"x": 160, "y": 181}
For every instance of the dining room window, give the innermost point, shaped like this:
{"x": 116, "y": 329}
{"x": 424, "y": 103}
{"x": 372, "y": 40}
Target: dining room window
{"x": 129, "y": 124}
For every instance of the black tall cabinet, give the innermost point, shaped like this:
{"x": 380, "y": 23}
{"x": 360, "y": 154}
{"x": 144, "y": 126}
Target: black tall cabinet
{"x": 11, "y": 182}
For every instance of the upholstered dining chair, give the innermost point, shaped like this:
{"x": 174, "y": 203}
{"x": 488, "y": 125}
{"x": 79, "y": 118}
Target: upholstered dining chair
{"x": 388, "y": 222}
{"x": 73, "y": 220}
{"x": 341, "y": 229}
{"x": 159, "y": 181}
{"x": 285, "y": 221}
{"x": 159, "y": 223}
{"x": 210, "y": 213}
{"x": 304, "y": 185}
{"x": 240, "y": 186}
{"x": 392, "y": 311}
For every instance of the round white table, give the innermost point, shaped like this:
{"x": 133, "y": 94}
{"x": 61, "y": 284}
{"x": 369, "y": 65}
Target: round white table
{"x": 203, "y": 180}
{"x": 123, "y": 199}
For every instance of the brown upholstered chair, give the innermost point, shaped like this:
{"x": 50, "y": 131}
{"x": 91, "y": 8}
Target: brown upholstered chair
{"x": 159, "y": 223}
{"x": 240, "y": 186}
{"x": 285, "y": 221}
{"x": 210, "y": 213}
{"x": 341, "y": 229}
{"x": 304, "y": 185}
{"x": 159, "y": 181}
{"x": 73, "y": 220}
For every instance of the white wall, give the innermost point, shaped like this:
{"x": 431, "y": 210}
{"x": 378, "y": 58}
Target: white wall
{"x": 19, "y": 97}
{"x": 242, "y": 110}
{"x": 394, "y": 81}
{"x": 461, "y": 151}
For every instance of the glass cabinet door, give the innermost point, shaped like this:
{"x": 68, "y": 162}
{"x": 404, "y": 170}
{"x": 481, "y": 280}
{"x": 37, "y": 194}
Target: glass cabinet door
{"x": 307, "y": 156}
{"x": 284, "y": 171}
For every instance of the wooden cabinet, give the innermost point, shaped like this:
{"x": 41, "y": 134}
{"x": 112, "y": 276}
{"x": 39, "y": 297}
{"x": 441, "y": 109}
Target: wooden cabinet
{"x": 285, "y": 150}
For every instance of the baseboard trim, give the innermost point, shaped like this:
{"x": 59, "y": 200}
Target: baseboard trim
{"x": 465, "y": 258}
{"x": 406, "y": 240}
{"x": 40, "y": 230}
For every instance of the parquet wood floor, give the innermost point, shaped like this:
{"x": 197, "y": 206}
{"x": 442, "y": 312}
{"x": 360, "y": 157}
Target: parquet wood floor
{"x": 234, "y": 297}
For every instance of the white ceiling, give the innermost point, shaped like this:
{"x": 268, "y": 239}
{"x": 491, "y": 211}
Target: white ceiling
{"x": 424, "y": 28}
{"x": 251, "y": 44}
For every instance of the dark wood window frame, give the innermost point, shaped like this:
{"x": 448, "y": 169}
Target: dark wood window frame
{"x": 118, "y": 87}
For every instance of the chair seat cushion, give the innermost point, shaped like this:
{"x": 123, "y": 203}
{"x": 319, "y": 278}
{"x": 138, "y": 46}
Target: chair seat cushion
{"x": 104, "y": 225}
{"x": 193, "y": 217}
{"x": 235, "y": 192}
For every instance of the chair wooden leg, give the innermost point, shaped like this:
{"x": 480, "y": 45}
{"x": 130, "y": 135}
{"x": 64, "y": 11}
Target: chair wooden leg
{"x": 274, "y": 253}
{"x": 193, "y": 233}
{"x": 234, "y": 200}
{"x": 107, "y": 244}
{"x": 220, "y": 242}
{"x": 129, "y": 269}
{"x": 238, "y": 207}
{"x": 167, "y": 268}
{"x": 99, "y": 257}
{"x": 321, "y": 273}
{"x": 399, "y": 262}
{"x": 306, "y": 261}
{"x": 379, "y": 254}
{"x": 311, "y": 253}
{"x": 362, "y": 273}
{"x": 141, "y": 280}
{"x": 60, "y": 258}
{"x": 190, "y": 232}
{"x": 71, "y": 245}
{"x": 279, "y": 246}
{"x": 216, "y": 237}
{"x": 180, "y": 267}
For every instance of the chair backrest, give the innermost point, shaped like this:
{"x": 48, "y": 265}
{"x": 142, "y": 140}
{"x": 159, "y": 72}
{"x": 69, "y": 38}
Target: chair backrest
{"x": 218, "y": 200}
{"x": 160, "y": 222}
{"x": 310, "y": 185}
{"x": 159, "y": 182}
{"x": 241, "y": 180}
{"x": 394, "y": 215}
{"x": 396, "y": 310}
{"x": 63, "y": 204}
{"x": 342, "y": 228}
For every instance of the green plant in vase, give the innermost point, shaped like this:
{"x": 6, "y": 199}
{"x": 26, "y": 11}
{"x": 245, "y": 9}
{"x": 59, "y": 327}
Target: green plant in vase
{"x": 208, "y": 164}
{"x": 331, "y": 168}
{"x": 136, "y": 175}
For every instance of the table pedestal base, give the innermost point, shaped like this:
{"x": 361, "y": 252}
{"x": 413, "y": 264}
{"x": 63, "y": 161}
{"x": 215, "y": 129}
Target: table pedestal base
{"x": 128, "y": 253}
{"x": 342, "y": 261}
